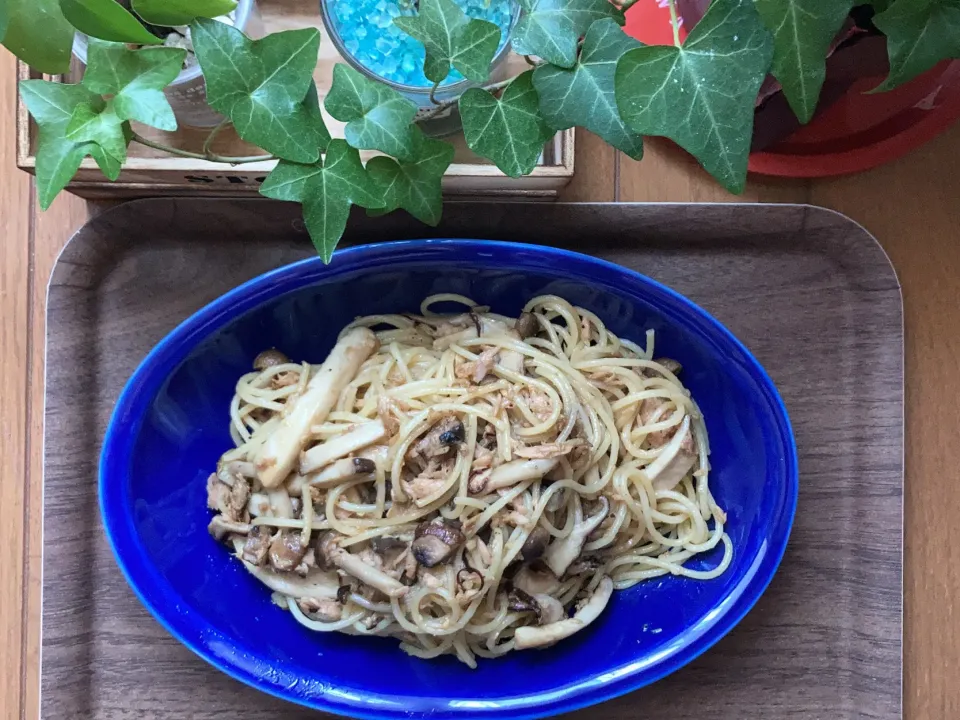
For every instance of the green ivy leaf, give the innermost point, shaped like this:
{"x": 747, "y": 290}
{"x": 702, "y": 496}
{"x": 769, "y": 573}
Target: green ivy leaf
{"x": 107, "y": 20}
{"x": 802, "y": 33}
{"x": 100, "y": 126}
{"x": 181, "y": 12}
{"x": 38, "y": 34}
{"x": 508, "y": 130}
{"x": 550, "y": 29}
{"x": 584, "y": 95}
{"x": 451, "y": 38}
{"x": 52, "y": 105}
{"x": 377, "y": 116}
{"x": 136, "y": 79}
{"x": 262, "y": 86}
{"x": 702, "y": 95}
{"x": 415, "y": 186}
{"x": 4, "y": 19}
{"x": 327, "y": 189}
{"x": 920, "y": 33}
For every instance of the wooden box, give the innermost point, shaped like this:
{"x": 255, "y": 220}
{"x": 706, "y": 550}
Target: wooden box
{"x": 151, "y": 172}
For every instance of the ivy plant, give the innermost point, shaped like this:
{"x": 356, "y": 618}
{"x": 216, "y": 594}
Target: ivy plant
{"x": 584, "y": 72}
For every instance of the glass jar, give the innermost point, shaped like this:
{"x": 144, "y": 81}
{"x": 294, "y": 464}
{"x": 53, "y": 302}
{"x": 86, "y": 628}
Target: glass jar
{"x": 371, "y": 42}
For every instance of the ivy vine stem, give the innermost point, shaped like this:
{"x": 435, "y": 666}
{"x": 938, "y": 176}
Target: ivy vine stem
{"x": 447, "y": 104}
{"x": 212, "y": 157}
{"x": 674, "y": 22}
{"x": 208, "y": 143}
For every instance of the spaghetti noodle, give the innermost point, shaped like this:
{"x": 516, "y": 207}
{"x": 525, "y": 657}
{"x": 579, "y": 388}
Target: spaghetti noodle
{"x": 470, "y": 484}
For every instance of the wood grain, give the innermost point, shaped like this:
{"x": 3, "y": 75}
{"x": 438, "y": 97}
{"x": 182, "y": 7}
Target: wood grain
{"x": 910, "y": 205}
{"x": 913, "y": 207}
{"x": 16, "y": 213}
{"x": 51, "y": 230}
{"x": 808, "y": 291}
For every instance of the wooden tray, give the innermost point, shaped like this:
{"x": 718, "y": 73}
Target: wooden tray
{"x": 148, "y": 172}
{"x": 809, "y": 291}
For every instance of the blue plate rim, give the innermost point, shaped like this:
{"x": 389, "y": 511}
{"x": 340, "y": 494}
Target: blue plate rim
{"x": 248, "y": 295}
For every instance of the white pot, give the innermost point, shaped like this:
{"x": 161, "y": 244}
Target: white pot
{"x": 188, "y": 93}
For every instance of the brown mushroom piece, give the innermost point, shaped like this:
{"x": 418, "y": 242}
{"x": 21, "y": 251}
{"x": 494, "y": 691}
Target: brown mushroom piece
{"x": 269, "y": 358}
{"x": 561, "y": 553}
{"x": 257, "y": 545}
{"x": 669, "y": 364}
{"x": 440, "y": 439}
{"x": 546, "y": 607}
{"x": 435, "y": 541}
{"x": 535, "y": 544}
{"x": 521, "y": 601}
{"x": 287, "y": 550}
{"x": 527, "y": 325}
{"x": 550, "y": 633}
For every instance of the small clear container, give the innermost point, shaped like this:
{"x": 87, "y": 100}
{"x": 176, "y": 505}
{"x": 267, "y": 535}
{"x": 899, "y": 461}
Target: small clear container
{"x": 439, "y": 124}
{"x": 187, "y": 94}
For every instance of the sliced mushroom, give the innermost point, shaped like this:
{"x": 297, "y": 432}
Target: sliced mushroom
{"x": 521, "y": 601}
{"x": 352, "y": 565}
{"x": 341, "y": 471}
{"x": 220, "y": 527}
{"x": 287, "y": 550}
{"x": 257, "y": 545}
{"x": 436, "y": 541}
{"x": 546, "y": 451}
{"x": 227, "y": 472}
{"x": 280, "y": 451}
{"x": 674, "y": 461}
{"x": 325, "y": 453}
{"x": 511, "y": 359}
{"x": 315, "y": 584}
{"x": 534, "y": 581}
{"x": 669, "y": 364}
{"x": 535, "y": 544}
{"x": 281, "y": 505}
{"x": 518, "y": 471}
{"x": 269, "y": 358}
{"x": 440, "y": 439}
{"x": 561, "y": 553}
{"x": 551, "y": 609}
{"x": 530, "y": 637}
{"x": 527, "y": 325}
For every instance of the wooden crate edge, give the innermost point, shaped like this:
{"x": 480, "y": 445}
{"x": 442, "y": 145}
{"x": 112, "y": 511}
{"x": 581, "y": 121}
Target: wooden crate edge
{"x": 546, "y": 179}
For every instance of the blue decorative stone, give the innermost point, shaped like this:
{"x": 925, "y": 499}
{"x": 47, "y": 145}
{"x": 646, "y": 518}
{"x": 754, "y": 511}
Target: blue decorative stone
{"x": 367, "y": 32}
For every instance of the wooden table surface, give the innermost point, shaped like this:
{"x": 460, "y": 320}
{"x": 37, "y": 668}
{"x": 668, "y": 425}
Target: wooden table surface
{"x": 912, "y": 206}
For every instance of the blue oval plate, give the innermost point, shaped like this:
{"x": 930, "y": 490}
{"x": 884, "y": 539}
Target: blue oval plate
{"x": 171, "y": 425}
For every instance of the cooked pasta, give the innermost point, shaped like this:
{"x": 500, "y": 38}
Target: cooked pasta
{"x": 469, "y": 484}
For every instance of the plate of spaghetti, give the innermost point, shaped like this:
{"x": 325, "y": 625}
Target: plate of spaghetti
{"x": 453, "y": 478}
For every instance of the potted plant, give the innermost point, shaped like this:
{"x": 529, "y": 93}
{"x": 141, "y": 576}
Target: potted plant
{"x": 584, "y": 72}
{"x": 169, "y": 23}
